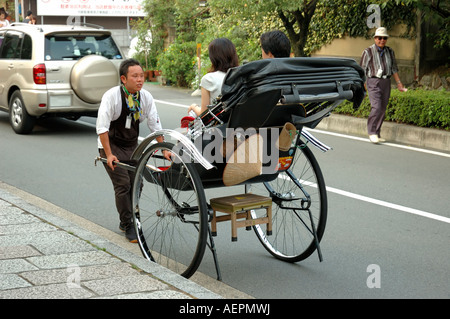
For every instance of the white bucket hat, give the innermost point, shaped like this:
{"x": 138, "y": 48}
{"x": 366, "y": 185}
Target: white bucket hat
{"x": 381, "y": 32}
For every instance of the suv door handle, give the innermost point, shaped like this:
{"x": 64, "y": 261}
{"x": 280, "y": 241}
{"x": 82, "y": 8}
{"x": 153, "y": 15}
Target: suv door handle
{"x": 55, "y": 69}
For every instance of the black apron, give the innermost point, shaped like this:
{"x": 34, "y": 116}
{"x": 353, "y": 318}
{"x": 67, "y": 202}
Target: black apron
{"x": 123, "y": 141}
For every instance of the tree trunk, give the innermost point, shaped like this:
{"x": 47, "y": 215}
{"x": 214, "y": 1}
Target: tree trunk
{"x": 302, "y": 19}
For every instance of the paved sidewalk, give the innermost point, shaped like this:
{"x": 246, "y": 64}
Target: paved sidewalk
{"x": 44, "y": 256}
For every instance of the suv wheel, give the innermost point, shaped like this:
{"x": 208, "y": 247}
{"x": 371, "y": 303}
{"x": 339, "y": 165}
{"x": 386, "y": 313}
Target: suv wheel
{"x": 20, "y": 120}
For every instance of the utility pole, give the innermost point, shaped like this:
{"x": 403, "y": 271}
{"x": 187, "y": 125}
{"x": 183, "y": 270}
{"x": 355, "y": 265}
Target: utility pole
{"x": 16, "y": 10}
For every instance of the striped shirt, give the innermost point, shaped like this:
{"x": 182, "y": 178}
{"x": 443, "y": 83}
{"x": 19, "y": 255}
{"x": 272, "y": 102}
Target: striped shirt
{"x": 374, "y": 59}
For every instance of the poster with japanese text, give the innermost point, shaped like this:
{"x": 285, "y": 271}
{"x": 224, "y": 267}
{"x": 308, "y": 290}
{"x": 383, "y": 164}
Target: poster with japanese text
{"x": 111, "y": 8}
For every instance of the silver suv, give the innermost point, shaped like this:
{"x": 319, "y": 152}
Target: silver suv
{"x": 55, "y": 70}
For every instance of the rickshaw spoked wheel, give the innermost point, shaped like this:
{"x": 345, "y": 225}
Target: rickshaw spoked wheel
{"x": 170, "y": 211}
{"x": 294, "y": 192}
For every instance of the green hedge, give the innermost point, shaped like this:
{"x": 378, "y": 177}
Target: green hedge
{"x": 177, "y": 63}
{"x": 417, "y": 107}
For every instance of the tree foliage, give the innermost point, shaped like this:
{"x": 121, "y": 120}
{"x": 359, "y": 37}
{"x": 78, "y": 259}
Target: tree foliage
{"x": 309, "y": 24}
{"x": 438, "y": 12}
{"x": 340, "y": 18}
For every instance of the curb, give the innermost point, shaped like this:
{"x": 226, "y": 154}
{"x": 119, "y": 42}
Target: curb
{"x": 392, "y": 132}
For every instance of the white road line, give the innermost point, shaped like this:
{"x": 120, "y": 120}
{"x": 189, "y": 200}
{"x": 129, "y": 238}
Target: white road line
{"x": 362, "y": 139}
{"x": 379, "y": 202}
{"x": 389, "y": 205}
{"x": 171, "y": 103}
{"x": 361, "y": 197}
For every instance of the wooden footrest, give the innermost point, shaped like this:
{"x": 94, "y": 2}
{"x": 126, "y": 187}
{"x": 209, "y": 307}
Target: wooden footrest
{"x": 239, "y": 207}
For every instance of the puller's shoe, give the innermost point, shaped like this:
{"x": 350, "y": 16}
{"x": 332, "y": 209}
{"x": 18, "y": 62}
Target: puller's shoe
{"x": 130, "y": 233}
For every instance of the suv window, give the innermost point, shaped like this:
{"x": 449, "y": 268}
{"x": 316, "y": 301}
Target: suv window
{"x": 2, "y": 35}
{"x": 70, "y": 47}
{"x": 26, "y": 48}
{"x": 11, "y": 45}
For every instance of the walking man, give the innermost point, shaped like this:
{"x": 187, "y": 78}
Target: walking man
{"x": 378, "y": 61}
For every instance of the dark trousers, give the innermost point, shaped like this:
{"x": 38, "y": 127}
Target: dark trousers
{"x": 379, "y": 93}
{"x": 122, "y": 181}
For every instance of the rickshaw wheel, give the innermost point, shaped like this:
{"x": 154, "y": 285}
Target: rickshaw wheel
{"x": 170, "y": 210}
{"x": 292, "y": 238}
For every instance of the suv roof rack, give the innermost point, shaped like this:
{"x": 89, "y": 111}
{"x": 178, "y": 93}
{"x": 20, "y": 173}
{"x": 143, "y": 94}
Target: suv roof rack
{"x": 86, "y": 24}
{"x": 21, "y": 24}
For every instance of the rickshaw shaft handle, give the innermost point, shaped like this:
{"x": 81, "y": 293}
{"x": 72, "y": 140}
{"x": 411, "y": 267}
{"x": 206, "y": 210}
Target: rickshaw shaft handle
{"x": 123, "y": 165}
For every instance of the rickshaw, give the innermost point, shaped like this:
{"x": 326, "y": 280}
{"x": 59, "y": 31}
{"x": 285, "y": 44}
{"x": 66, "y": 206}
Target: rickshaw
{"x": 263, "y": 104}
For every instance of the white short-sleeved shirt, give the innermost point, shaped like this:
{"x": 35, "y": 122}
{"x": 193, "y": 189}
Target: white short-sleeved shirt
{"x": 213, "y": 83}
{"x": 4, "y": 23}
{"x": 111, "y": 107}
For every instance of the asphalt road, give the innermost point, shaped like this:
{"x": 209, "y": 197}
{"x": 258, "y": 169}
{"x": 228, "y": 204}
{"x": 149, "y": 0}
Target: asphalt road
{"x": 388, "y": 229}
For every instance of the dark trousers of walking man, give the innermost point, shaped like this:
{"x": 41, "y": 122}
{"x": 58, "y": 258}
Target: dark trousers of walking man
{"x": 379, "y": 92}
